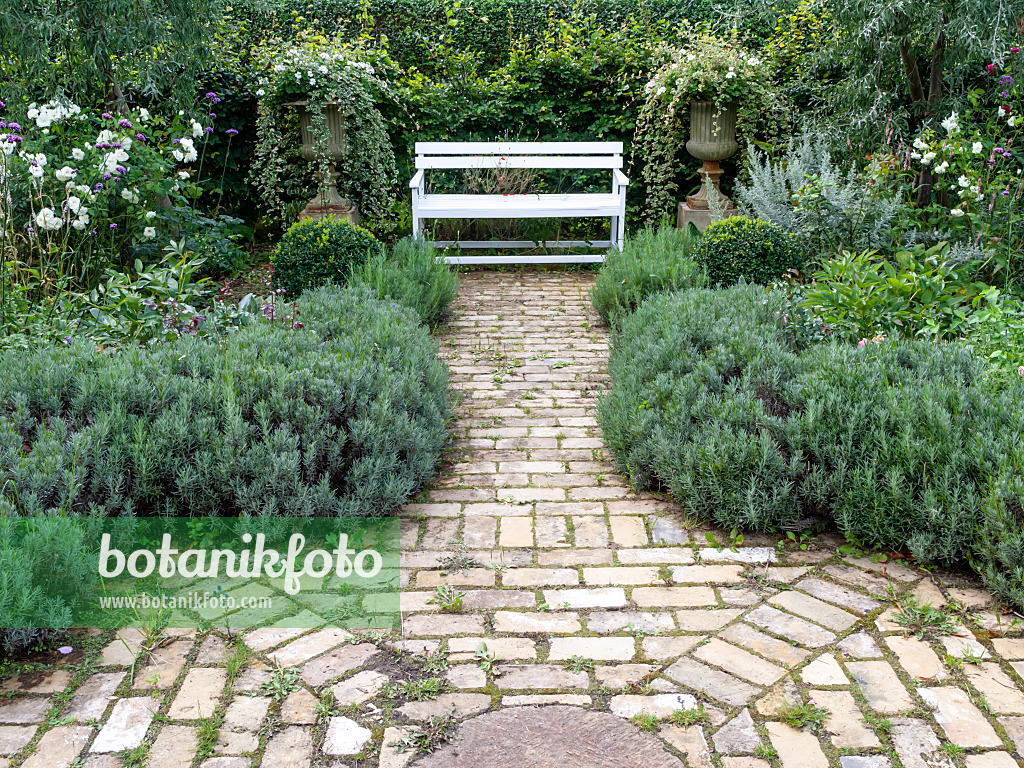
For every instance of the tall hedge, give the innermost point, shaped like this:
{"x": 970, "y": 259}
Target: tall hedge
{"x": 345, "y": 416}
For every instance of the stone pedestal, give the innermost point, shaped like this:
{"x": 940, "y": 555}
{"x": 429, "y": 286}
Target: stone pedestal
{"x": 346, "y": 210}
{"x": 699, "y": 217}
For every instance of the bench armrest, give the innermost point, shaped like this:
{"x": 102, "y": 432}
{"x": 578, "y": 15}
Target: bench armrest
{"x": 416, "y": 182}
{"x": 621, "y": 180}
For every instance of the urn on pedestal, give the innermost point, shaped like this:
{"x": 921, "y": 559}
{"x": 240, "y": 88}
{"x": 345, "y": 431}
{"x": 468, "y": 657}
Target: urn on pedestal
{"x": 327, "y": 201}
{"x": 712, "y": 139}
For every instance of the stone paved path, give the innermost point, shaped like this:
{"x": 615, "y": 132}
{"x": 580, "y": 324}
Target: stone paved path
{"x": 593, "y": 607}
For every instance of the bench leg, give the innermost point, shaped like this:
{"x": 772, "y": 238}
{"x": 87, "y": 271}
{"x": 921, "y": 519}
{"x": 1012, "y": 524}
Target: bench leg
{"x": 617, "y": 232}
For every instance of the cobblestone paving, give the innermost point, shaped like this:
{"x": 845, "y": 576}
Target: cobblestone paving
{"x": 593, "y": 606}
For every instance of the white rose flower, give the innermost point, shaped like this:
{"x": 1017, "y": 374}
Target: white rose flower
{"x": 178, "y": 155}
{"x": 40, "y": 158}
{"x": 65, "y": 173}
{"x": 150, "y": 215}
{"x": 976, "y": 147}
{"x": 730, "y": 75}
{"x": 261, "y": 92}
{"x": 1001, "y": 112}
{"x": 1012, "y": 121}
{"x": 149, "y": 232}
{"x": 927, "y": 158}
{"x": 74, "y": 204}
{"x": 915, "y": 155}
{"x": 197, "y": 129}
{"x": 78, "y": 224}
{"x": 919, "y": 144}
{"x": 48, "y": 219}
{"x": 126, "y": 194}
{"x": 126, "y": 143}
{"x": 956, "y": 213}
{"x": 951, "y": 123}
{"x": 36, "y": 171}
{"x": 143, "y": 114}
{"x": 964, "y": 182}
{"x": 182, "y": 174}
{"x": 77, "y": 154}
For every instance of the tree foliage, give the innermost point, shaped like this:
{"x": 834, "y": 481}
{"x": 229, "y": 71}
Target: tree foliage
{"x": 88, "y": 47}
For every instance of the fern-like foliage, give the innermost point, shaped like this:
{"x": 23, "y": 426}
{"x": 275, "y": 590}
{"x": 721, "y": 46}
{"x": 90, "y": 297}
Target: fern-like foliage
{"x": 829, "y": 210}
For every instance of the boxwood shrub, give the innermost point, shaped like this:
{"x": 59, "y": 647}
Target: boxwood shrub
{"x": 895, "y": 444}
{"x": 652, "y": 261}
{"x": 314, "y": 252}
{"x": 751, "y": 250}
{"x": 344, "y": 416}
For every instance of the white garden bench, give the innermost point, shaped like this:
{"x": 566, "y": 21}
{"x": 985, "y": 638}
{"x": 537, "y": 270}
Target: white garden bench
{"x": 542, "y": 154}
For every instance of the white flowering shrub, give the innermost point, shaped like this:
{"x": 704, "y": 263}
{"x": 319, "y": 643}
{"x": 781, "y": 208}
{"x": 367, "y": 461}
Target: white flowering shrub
{"x": 78, "y": 190}
{"x": 977, "y": 168}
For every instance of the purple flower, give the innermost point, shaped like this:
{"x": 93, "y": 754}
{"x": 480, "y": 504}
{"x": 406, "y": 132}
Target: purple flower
{"x": 1007, "y": 154}
{"x": 93, "y": 232}
{"x": 3, "y": 125}
{"x": 231, "y": 132}
{"x": 123, "y": 122}
{"x": 117, "y": 145}
{"x": 1005, "y": 94}
{"x": 140, "y": 137}
{"x": 106, "y": 116}
{"x": 99, "y": 185}
{"x": 106, "y": 176}
{"x": 16, "y": 127}
{"x": 113, "y": 226}
{"x": 176, "y": 141}
{"x": 213, "y": 115}
{"x": 67, "y": 340}
{"x": 121, "y": 169}
{"x": 999, "y": 150}
{"x": 31, "y": 229}
{"x": 12, "y": 139}
{"x": 210, "y": 96}
{"x": 1006, "y": 80}
{"x": 209, "y": 129}
{"x": 2, "y": 105}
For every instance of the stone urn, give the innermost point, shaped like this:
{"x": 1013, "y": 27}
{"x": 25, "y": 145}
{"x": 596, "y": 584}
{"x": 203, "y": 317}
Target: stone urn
{"x": 327, "y": 201}
{"x": 712, "y": 138}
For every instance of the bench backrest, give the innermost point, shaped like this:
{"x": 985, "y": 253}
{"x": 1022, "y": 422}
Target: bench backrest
{"x": 525, "y": 154}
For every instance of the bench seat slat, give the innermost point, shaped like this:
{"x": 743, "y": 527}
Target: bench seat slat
{"x": 517, "y": 206}
{"x": 520, "y": 161}
{"x": 518, "y": 148}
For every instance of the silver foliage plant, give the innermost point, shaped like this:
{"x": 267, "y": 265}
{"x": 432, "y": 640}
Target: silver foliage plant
{"x": 805, "y": 194}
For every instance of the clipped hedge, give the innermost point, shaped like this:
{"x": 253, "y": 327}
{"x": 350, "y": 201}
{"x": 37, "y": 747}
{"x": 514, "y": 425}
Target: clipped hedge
{"x": 488, "y": 27}
{"x": 895, "y": 444}
{"x": 315, "y": 252}
{"x": 751, "y": 250}
{"x": 652, "y": 261}
{"x": 345, "y": 416}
